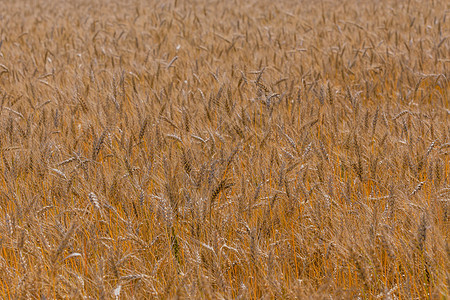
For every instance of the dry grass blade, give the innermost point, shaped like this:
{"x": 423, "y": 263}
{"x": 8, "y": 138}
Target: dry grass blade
{"x": 64, "y": 242}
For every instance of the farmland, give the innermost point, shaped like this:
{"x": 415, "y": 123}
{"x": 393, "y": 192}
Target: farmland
{"x": 224, "y": 149}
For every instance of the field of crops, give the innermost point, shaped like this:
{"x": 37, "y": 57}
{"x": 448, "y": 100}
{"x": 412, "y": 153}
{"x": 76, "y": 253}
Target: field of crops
{"x": 224, "y": 149}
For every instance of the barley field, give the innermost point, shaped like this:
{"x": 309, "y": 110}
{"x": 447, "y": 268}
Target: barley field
{"x": 224, "y": 149}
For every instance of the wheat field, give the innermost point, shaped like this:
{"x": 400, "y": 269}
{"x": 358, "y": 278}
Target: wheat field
{"x": 224, "y": 149}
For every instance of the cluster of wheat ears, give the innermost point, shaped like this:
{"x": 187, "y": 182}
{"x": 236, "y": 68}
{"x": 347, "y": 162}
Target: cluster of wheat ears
{"x": 224, "y": 149}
